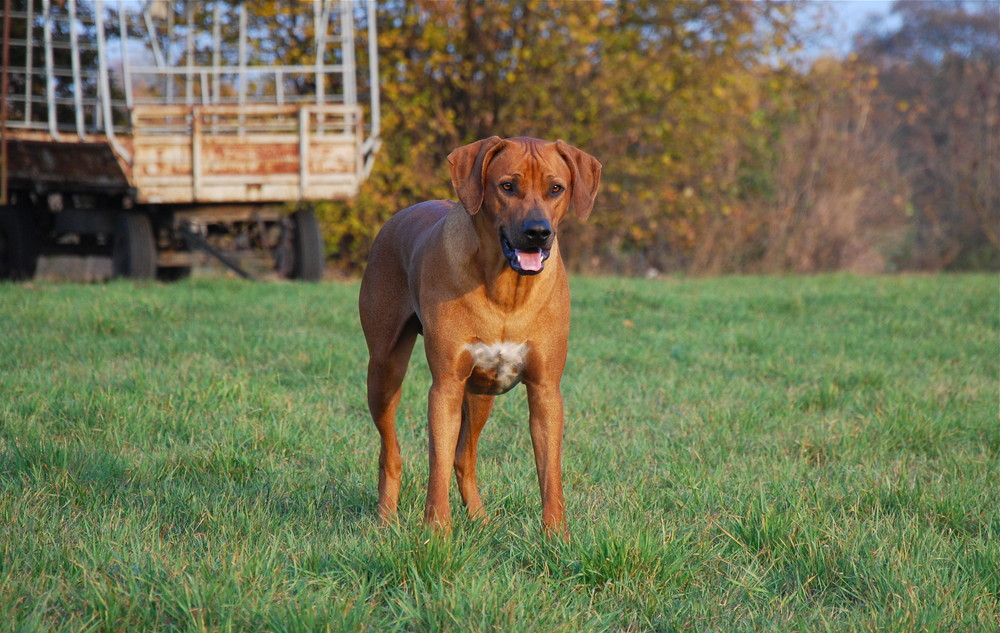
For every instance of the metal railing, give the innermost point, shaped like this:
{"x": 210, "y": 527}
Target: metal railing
{"x": 79, "y": 67}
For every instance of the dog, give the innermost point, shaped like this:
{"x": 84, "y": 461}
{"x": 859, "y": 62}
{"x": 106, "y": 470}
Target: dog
{"x": 483, "y": 281}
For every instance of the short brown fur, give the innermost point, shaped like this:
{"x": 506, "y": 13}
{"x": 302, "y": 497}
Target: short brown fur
{"x": 439, "y": 268}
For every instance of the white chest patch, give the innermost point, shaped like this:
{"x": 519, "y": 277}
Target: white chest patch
{"x": 497, "y": 367}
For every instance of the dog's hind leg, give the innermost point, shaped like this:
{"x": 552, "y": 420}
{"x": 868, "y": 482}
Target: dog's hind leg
{"x": 475, "y": 412}
{"x": 386, "y": 369}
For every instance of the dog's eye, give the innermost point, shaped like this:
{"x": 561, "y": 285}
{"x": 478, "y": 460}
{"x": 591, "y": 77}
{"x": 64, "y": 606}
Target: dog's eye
{"x": 507, "y": 186}
{"x": 556, "y": 190}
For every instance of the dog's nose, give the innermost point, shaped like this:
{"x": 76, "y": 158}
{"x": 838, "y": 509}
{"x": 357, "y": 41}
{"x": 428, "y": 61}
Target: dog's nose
{"x": 537, "y": 231}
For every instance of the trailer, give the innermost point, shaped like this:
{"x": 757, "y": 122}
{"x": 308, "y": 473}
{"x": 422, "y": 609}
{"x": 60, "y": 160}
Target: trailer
{"x": 160, "y": 132}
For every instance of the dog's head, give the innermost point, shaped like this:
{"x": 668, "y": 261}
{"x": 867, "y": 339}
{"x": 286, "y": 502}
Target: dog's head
{"x": 525, "y": 186}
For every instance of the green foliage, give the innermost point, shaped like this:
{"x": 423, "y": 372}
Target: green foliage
{"x": 742, "y": 454}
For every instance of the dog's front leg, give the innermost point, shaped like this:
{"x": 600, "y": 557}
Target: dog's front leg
{"x": 444, "y": 415}
{"x": 545, "y": 407}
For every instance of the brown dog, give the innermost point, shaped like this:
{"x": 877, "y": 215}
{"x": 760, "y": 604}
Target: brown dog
{"x": 483, "y": 281}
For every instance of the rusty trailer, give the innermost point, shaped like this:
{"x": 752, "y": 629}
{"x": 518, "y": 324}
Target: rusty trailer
{"x": 157, "y": 130}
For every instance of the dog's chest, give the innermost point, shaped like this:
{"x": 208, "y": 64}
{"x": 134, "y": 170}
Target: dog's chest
{"x": 497, "y": 367}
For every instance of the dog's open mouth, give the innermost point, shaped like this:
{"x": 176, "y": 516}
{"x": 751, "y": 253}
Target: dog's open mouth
{"x": 527, "y": 261}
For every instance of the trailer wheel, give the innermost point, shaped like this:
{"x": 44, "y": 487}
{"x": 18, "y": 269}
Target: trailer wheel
{"x": 133, "y": 252}
{"x": 18, "y": 244}
{"x": 307, "y": 242}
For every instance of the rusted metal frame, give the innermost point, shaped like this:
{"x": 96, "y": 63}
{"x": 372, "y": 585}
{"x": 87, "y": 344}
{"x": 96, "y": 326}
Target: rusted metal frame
{"x": 228, "y": 213}
{"x": 359, "y": 135}
{"x": 105, "y": 84}
{"x": 349, "y": 80}
{"x": 195, "y": 241}
{"x": 284, "y": 68}
{"x": 170, "y": 31}
{"x": 277, "y": 71}
{"x": 189, "y": 52}
{"x": 195, "y": 153}
{"x": 242, "y": 56}
{"x": 50, "y": 79}
{"x": 304, "y": 122}
{"x": 74, "y": 43}
{"x": 216, "y": 47}
{"x": 258, "y": 109}
{"x": 151, "y": 32}
{"x": 372, "y": 143}
{"x": 320, "y": 22}
{"x": 321, "y": 16}
{"x": 348, "y": 76}
{"x": 29, "y": 61}
{"x": 4, "y": 87}
{"x": 205, "y": 95}
{"x": 126, "y": 66}
{"x": 242, "y": 78}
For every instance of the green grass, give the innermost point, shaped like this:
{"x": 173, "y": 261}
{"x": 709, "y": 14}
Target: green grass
{"x": 742, "y": 454}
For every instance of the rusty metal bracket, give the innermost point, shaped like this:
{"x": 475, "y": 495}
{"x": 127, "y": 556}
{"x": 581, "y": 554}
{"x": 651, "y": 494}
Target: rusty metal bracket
{"x": 195, "y": 241}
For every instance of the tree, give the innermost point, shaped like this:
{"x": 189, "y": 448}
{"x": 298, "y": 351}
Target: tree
{"x": 939, "y": 75}
{"x": 668, "y": 95}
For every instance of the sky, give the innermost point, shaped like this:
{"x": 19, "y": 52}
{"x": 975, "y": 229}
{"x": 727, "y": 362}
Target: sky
{"x": 843, "y": 18}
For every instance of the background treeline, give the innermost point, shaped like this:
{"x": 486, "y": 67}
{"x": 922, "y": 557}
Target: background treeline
{"x": 723, "y": 150}
{"x": 727, "y": 145}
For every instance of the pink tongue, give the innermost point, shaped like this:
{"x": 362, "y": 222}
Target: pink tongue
{"x": 529, "y": 261}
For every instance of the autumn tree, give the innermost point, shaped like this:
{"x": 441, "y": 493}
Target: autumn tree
{"x": 939, "y": 72}
{"x": 834, "y": 200}
{"x": 666, "y": 94}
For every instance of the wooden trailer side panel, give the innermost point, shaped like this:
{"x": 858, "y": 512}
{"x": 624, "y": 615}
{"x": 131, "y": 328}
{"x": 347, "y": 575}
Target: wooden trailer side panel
{"x": 234, "y": 154}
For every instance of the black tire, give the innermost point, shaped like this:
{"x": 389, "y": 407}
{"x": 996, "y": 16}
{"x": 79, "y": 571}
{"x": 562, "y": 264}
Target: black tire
{"x": 307, "y": 240}
{"x": 133, "y": 252}
{"x": 18, "y": 244}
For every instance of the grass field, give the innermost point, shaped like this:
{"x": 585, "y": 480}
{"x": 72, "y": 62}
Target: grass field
{"x": 742, "y": 454}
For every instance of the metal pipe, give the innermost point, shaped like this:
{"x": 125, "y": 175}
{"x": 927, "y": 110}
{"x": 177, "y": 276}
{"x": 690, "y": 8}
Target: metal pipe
{"x": 216, "y": 46}
{"x": 193, "y": 241}
{"x": 50, "y": 79}
{"x": 77, "y": 80}
{"x": 320, "y": 22}
{"x": 242, "y": 80}
{"x": 29, "y": 61}
{"x": 151, "y": 32}
{"x": 126, "y": 66}
{"x": 189, "y": 79}
{"x": 376, "y": 99}
{"x": 227, "y": 70}
{"x": 349, "y": 78}
{"x": 4, "y": 86}
{"x": 195, "y": 153}
{"x": 105, "y": 84}
{"x": 304, "y": 122}
{"x": 170, "y": 48}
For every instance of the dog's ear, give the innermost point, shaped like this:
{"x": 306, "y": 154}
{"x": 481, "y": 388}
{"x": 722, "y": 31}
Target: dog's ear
{"x": 586, "y": 178}
{"x": 468, "y": 171}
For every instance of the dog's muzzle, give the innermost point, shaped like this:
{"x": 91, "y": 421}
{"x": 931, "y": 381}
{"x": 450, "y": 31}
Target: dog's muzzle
{"x": 526, "y": 254}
